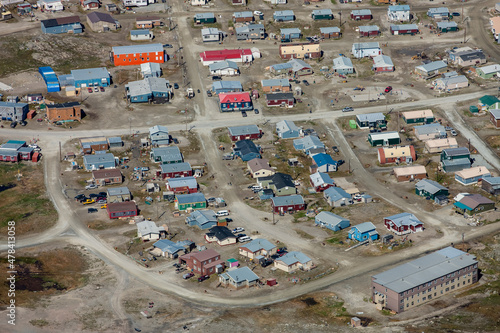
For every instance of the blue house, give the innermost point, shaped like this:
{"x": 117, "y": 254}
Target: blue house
{"x": 363, "y": 231}
{"x": 472, "y": 175}
{"x": 166, "y": 155}
{"x": 331, "y": 221}
{"x": 170, "y": 249}
{"x": 203, "y": 219}
{"x": 99, "y": 161}
{"x": 307, "y": 143}
{"x": 283, "y": 15}
{"x": 155, "y": 90}
{"x": 50, "y": 79}
{"x": 91, "y": 77}
{"x": 290, "y": 33}
{"x": 323, "y": 163}
{"x": 343, "y": 65}
{"x": 62, "y": 25}
{"x": 226, "y": 86}
{"x": 159, "y": 135}
{"x": 287, "y": 129}
{"x": 246, "y": 150}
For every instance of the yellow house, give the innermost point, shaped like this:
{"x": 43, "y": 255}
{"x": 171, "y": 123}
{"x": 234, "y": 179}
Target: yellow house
{"x": 259, "y": 167}
{"x": 300, "y": 51}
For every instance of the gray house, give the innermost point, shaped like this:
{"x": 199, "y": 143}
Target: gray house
{"x": 251, "y": 31}
{"x": 368, "y": 120}
{"x": 159, "y": 136}
{"x": 286, "y": 129}
{"x": 99, "y": 161}
{"x": 337, "y": 197}
{"x": 242, "y": 277}
{"x": 331, "y": 221}
{"x": 211, "y": 34}
{"x": 343, "y": 65}
{"x": 203, "y": 219}
{"x": 166, "y": 155}
{"x": 119, "y": 194}
{"x": 430, "y": 188}
{"x": 13, "y": 111}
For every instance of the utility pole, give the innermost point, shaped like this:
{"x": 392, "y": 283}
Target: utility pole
{"x": 60, "y": 151}
{"x": 340, "y": 14}
{"x": 349, "y": 166}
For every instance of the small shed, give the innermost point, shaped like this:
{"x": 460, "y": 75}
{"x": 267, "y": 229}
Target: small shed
{"x": 232, "y": 263}
{"x": 115, "y": 142}
{"x": 271, "y": 282}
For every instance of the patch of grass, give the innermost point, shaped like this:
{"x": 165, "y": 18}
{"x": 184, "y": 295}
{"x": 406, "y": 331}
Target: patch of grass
{"x": 39, "y": 322}
{"x": 303, "y": 234}
{"x": 224, "y": 138}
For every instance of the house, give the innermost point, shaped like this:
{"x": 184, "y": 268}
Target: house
{"x": 34, "y": 98}
{"x": 286, "y": 129}
{"x": 343, "y": 65}
{"x": 199, "y": 2}
{"x": 300, "y": 51}
{"x": 50, "y": 5}
{"x": 13, "y": 111}
{"x": 279, "y": 69}
{"x": 403, "y": 223}
{"x": 206, "y": 262}
{"x": 323, "y": 162}
{"x": 451, "y": 83}
{"x": 148, "y": 230}
{"x": 15, "y": 151}
{"x": 115, "y": 142}
{"x": 491, "y": 185}
{"x": 224, "y": 68}
{"x": 148, "y": 22}
{"x": 239, "y": 2}
{"x": 331, "y": 221}
{"x": 275, "y": 85}
{"x": 420, "y": 116}
{"x": 488, "y": 101}
{"x": 337, "y": 197}
{"x": 102, "y": 22}
{"x": 437, "y": 14}
{"x": 467, "y": 56}
{"x": 219, "y": 87}
{"x": 91, "y": 77}
{"x": 174, "y": 170}
{"x": 211, "y": 35}
{"x": 455, "y": 159}
{"x": 24, "y": 8}
{"x": 222, "y": 235}
{"x": 136, "y": 3}
{"x": 361, "y": 14}
{"x": 404, "y": 29}
{"x": 281, "y": 183}
{"x": 430, "y": 188}
{"x": 398, "y": 13}
{"x": 307, "y": 143}
{"x": 201, "y": 18}
{"x": 410, "y": 173}
{"x": 246, "y": 150}
{"x": 382, "y": 63}
{"x": 242, "y": 277}
{"x": 107, "y": 177}
{"x": 488, "y": 72}
{"x": 99, "y": 161}
{"x": 322, "y": 14}
{"x": 320, "y": 181}
{"x": 117, "y": 210}
{"x": 300, "y": 68}
{"x": 250, "y": 32}
{"x": 397, "y": 154}
{"x": 429, "y": 131}
{"x": 150, "y": 69}
{"x": 190, "y": 201}
{"x": 495, "y": 27}
{"x": 495, "y": 117}
{"x": 329, "y": 32}
{"x": 244, "y": 132}
{"x": 141, "y": 34}
{"x": 118, "y": 194}
{"x": 369, "y": 30}
{"x": 154, "y": 90}
{"x": 182, "y": 185}
{"x": 235, "y": 101}
{"x": 203, "y": 219}
{"x": 384, "y": 139}
{"x": 437, "y": 145}
{"x": 371, "y": 120}
{"x": 166, "y": 155}
{"x": 246, "y": 16}
{"x": 280, "y": 99}
{"x": 447, "y": 26}
{"x": 260, "y": 168}
{"x": 50, "y": 78}
{"x": 363, "y": 231}
{"x": 90, "y": 4}
{"x": 431, "y": 69}
{"x": 158, "y": 135}
{"x": 111, "y": 7}
{"x": 288, "y": 204}
{"x": 94, "y": 144}
{"x": 63, "y": 112}
{"x": 257, "y": 247}
{"x": 292, "y": 261}
{"x": 283, "y": 16}
{"x": 62, "y": 25}
{"x": 400, "y": 289}
{"x": 137, "y": 54}
{"x": 474, "y": 204}
{"x": 287, "y": 34}
{"x": 361, "y": 50}
{"x": 472, "y": 175}
{"x": 169, "y": 249}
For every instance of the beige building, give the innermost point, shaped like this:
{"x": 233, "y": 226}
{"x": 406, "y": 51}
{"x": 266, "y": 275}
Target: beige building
{"x": 293, "y": 261}
{"x": 300, "y": 51}
{"x": 258, "y": 247}
{"x": 437, "y": 145}
{"x": 259, "y": 167}
{"x": 413, "y": 172}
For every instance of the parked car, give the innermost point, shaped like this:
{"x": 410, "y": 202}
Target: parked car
{"x": 228, "y": 220}
{"x": 91, "y": 187}
{"x": 305, "y": 82}
{"x": 257, "y": 13}
{"x": 13, "y": 124}
{"x": 203, "y": 278}
{"x": 80, "y": 196}
{"x": 348, "y": 109}
{"x": 176, "y": 265}
{"x": 244, "y": 239}
{"x": 175, "y": 140}
{"x": 448, "y": 128}
{"x": 88, "y": 201}
{"x": 176, "y": 86}
{"x": 238, "y": 229}
{"x": 357, "y": 197}
{"x": 103, "y": 194}
{"x": 281, "y": 250}
{"x": 101, "y": 201}
{"x": 256, "y": 111}
{"x": 453, "y": 132}
{"x": 241, "y": 235}
{"x": 267, "y": 262}
{"x": 340, "y": 162}
{"x": 93, "y": 195}
{"x": 216, "y": 78}
{"x": 89, "y": 90}
{"x": 92, "y": 210}
{"x": 209, "y": 93}
{"x": 388, "y": 89}
{"x": 168, "y": 46}
{"x": 102, "y": 89}
{"x": 455, "y": 14}
{"x": 23, "y": 123}
{"x": 188, "y": 275}
{"x": 104, "y": 206}
{"x": 335, "y": 149}
{"x": 211, "y": 199}
{"x": 96, "y": 89}
{"x": 244, "y": 114}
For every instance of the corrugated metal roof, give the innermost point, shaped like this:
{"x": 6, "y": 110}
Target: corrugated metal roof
{"x": 259, "y": 244}
{"x": 288, "y": 200}
{"x": 90, "y": 74}
{"x": 190, "y": 198}
{"x": 243, "y": 130}
{"x": 293, "y": 257}
{"x": 144, "y": 48}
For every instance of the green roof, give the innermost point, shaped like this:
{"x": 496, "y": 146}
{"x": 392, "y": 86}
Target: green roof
{"x": 488, "y": 100}
{"x": 232, "y": 260}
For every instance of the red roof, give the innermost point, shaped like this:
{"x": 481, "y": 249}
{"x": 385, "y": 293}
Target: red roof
{"x": 225, "y": 54}
{"x": 233, "y": 97}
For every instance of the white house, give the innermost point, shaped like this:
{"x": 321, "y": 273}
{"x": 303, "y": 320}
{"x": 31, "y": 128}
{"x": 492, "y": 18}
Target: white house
{"x": 198, "y": 2}
{"x": 451, "y": 83}
{"x": 224, "y": 68}
{"x": 398, "y": 13}
{"x": 147, "y": 230}
{"x": 51, "y": 5}
{"x": 210, "y": 34}
{"x": 136, "y": 3}
{"x": 141, "y": 34}
{"x": 370, "y": 49}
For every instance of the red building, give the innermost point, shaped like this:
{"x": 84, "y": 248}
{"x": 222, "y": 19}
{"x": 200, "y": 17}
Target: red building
{"x": 280, "y": 99}
{"x": 235, "y": 101}
{"x": 14, "y": 151}
{"x": 204, "y": 262}
{"x": 175, "y": 170}
{"x": 121, "y": 209}
{"x": 288, "y": 203}
{"x": 137, "y": 54}
{"x": 404, "y": 29}
{"x": 236, "y": 55}
{"x": 369, "y": 31}
{"x": 362, "y": 14}
{"x": 244, "y": 132}
{"x": 495, "y": 117}
{"x": 182, "y": 185}
{"x": 403, "y": 223}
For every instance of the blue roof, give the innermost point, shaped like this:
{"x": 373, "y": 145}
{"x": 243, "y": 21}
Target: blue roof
{"x": 204, "y": 15}
{"x": 402, "y": 219}
{"x": 167, "y": 153}
{"x": 367, "y": 28}
{"x": 365, "y": 227}
{"x": 139, "y": 32}
{"x": 175, "y": 167}
{"x": 140, "y": 48}
{"x": 283, "y": 13}
{"x": 322, "y": 12}
{"x": 329, "y": 30}
{"x": 275, "y": 82}
{"x": 310, "y": 141}
{"x": 202, "y": 217}
{"x": 323, "y": 159}
{"x": 99, "y": 158}
{"x": 115, "y": 139}
{"x": 430, "y": 128}
{"x": 397, "y": 8}
{"x": 241, "y": 274}
{"x": 438, "y": 11}
{"x": 227, "y": 85}
{"x": 286, "y": 31}
{"x": 158, "y": 128}
{"x": 320, "y": 178}
{"x": 462, "y": 206}
{"x": 279, "y": 67}
{"x": 288, "y": 200}
{"x": 222, "y": 64}
{"x": 371, "y": 117}
{"x": 259, "y": 244}
{"x": 429, "y": 186}
{"x": 243, "y": 14}
{"x": 492, "y": 180}
{"x": 293, "y": 257}
{"x": 432, "y": 66}
{"x": 330, "y": 218}
{"x": 358, "y": 12}
{"x": 190, "y": 182}
{"x": 342, "y": 62}
{"x": 396, "y": 27}
{"x": 168, "y": 246}
{"x": 90, "y": 73}
{"x": 122, "y": 190}
{"x": 243, "y": 130}
{"x": 336, "y": 193}
{"x": 190, "y": 198}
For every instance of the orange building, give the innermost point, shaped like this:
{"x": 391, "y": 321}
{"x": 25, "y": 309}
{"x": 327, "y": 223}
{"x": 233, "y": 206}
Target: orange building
{"x": 137, "y": 54}
{"x": 64, "y": 112}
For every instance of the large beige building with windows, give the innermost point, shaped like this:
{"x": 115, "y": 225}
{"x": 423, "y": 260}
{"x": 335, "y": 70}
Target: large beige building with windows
{"x": 424, "y": 279}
